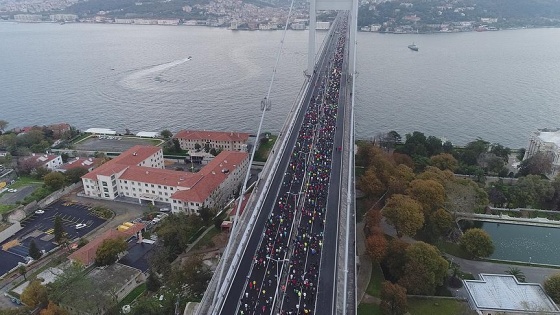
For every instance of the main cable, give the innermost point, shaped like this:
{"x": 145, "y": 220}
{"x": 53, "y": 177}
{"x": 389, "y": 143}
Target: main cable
{"x": 247, "y": 175}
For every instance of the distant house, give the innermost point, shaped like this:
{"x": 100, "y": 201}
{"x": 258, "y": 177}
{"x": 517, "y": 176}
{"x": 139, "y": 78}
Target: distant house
{"x": 59, "y": 129}
{"x": 87, "y": 163}
{"x": 86, "y": 254}
{"x": 497, "y": 294}
{"x": 48, "y": 161}
{"x": 546, "y": 141}
{"x": 219, "y": 140}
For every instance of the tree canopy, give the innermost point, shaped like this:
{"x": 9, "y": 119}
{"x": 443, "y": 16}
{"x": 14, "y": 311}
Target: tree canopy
{"x": 107, "y": 253}
{"x": 35, "y": 294}
{"x": 393, "y": 299}
{"x": 552, "y": 287}
{"x": 404, "y": 214}
{"x": 54, "y": 180}
{"x": 477, "y": 243}
{"x": 424, "y": 270}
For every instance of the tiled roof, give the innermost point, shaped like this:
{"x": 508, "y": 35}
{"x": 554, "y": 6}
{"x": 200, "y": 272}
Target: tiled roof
{"x": 42, "y": 158}
{"x": 212, "y": 135}
{"x": 86, "y": 254}
{"x": 214, "y": 174}
{"x": 160, "y": 176}
{"x": 79, "y": 162}
{"x": 130, "y": 157}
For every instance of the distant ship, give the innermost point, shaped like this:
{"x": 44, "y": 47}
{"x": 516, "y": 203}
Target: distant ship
{"x": 413, "y": 47}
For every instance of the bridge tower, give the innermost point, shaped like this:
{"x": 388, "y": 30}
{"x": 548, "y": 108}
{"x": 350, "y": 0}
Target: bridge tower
{"x": 319, "y": 5}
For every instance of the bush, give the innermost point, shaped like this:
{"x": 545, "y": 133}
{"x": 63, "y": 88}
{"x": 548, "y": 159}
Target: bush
{"x": 552, "y": 287}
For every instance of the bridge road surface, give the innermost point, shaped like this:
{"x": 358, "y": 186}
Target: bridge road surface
{"x": 240, "y": 279}
{"x": 327, "y": 285}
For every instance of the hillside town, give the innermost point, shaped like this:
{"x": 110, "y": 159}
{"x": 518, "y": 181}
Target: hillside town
{"x": 398, "y": 17}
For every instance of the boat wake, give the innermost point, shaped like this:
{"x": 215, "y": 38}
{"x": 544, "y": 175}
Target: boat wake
{"x": 146, "y": 79}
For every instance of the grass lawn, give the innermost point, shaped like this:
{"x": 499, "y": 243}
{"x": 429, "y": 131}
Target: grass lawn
{"x": 206, "y": 239}
{"x": 6, "y": 208}
{"x": 369, "y": 309}
{"x": 435, "y": 306}
{"x": 26, "y": 181}
{"x": 374, "y": 286}
{"x": 133, "y": 294}
{"x": 452, "y": 249}
{"x": 264, "y": 148}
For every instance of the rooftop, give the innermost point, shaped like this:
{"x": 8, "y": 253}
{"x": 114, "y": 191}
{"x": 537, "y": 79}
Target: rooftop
{"x": 212, "y": 135}
{"x": 505, "y": 293}
{"x": 130, "y": 157}
{"x": 549, "y": 135}
{"x": 79, "y": 162}
{"x": 86, "y": 254}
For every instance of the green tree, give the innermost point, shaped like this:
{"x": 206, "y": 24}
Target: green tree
{"x": 152, "y": 282}
{"x": 3, "y": 125}
{"x": 425, "y": 269}
{"x": 35, "y": 294}
{"x": 395, "y": 259}
{"x": 517, "y": 273}
{"x": 552, "y": 287}
{"x": 393, "y": 299}
{"x": 429, "y": 193}
{"x": 34, "y": 251}
{"x": 404, "y": 214}
{"x": 166, "y": 134}
{"x": 444, "y": 161}
{"x": 54, "y": 180}
{"x": 192, "y": 273}
{"x": 58, "y": 229}
{"x": 75, "y": 174}
{"x": 22, "y": 270}
{"x": 176, "y": 145}
{"x": 197, "y": 146}
{"x": 107, "y": 253}
{"x": 440, "y": 222}
{"x": 205, "y": 214}
{"x": 477, "y": 243}
{"x": 538, "y": 164}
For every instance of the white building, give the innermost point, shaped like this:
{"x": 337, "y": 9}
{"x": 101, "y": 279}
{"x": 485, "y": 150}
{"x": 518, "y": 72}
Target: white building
{"x": 323, "y": 25}
{"x": 101, "y": 131}
{"x": 63, "y": 17}
{"x": 504, "y": 295}
{"x": 87, "y": 163}
{"x": 548, "y": 142}
{"x": 139, "y": 173}
{"x": 28, "y": 17}
{"x": 48, "y": 161}
{"x": 229, "y": 141}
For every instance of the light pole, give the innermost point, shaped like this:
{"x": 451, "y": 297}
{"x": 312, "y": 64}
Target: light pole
{"x": 278, "y": 274}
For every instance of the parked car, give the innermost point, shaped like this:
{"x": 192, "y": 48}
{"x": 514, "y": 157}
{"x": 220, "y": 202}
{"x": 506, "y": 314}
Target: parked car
{"x": 12, "y": 190}
{"x": 40, "y": 211}
{"x": 164, "y": 209}
{"x": 80, "y": 226}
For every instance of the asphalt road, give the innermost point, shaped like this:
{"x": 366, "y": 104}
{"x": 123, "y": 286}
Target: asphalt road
{"x": 11, "y": 198}
{"x": 328, "y": 262}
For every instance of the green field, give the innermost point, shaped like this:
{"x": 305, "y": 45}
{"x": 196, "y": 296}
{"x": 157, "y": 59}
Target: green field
{"x": 264, "y": 148}
{"x": 437, "y": 306}
{"x": 374, "y": 286}
{"x": 369, "y": 309}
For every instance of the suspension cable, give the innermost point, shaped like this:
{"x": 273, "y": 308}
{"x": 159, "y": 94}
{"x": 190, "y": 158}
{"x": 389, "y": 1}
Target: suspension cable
{"x": 264, "y": 109}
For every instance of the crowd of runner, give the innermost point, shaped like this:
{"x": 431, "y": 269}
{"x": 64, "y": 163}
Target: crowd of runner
{"x": 286, "y": 265}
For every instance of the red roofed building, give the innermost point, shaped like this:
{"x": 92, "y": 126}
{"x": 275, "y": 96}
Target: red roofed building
{"x": 86, "y": 254}
{"x": 87, "y": 163}
{"x": 47, "y": 161}
{"x": 219, "y": 140}
{"x": 139, "y": 173}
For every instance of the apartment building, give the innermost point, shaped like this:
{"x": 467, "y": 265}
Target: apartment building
{"x": 139, "y": 173}
{"x": 219, "y": 140}
{"x": 48, "y": 161}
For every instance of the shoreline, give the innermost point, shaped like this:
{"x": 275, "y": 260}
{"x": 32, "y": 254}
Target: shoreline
{"x": 270, "y": 30}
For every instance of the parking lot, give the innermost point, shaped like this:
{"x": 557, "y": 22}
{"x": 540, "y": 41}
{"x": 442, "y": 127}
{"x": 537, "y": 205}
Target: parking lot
{"x": 40, "y": 229}
{"x": 112, "y": 145}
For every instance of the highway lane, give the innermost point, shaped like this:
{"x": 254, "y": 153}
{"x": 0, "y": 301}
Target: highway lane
{"x": 327, "y": 286}
{"x": 240, "y": 279}
{"x": 273, "y": 267}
